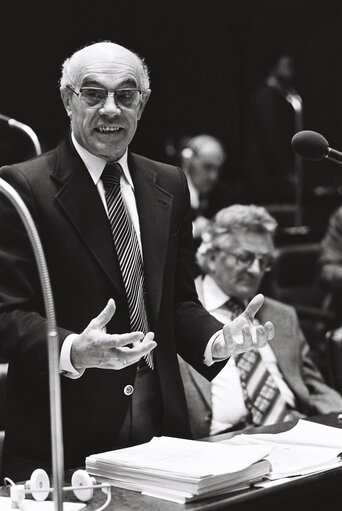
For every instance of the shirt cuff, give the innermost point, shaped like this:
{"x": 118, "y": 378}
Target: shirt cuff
{"x": 65, "y": 366}
{"x": 209, "y": 360}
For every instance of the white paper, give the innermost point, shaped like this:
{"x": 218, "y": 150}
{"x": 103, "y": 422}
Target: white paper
{"x": 269, "y": 483}
{"x": 33, "y": 505}
{"x": 306, "y": 448}
{"x": 306, "y": 433}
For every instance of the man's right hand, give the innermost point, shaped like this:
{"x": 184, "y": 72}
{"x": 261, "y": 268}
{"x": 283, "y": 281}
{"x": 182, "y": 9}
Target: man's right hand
{"x": 95, "y": 348}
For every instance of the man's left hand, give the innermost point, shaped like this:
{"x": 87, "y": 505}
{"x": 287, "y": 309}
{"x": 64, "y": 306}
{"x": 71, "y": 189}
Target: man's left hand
{"x": 241, "y": 335}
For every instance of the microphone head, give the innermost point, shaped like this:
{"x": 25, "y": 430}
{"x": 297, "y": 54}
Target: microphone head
{"x": 310, "y": 145}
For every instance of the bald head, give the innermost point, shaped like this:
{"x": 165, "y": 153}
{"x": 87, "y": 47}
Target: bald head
{"x": 207, "y": 145}
{"x": 101, "y": 56}
{"x": 203, "y": 159}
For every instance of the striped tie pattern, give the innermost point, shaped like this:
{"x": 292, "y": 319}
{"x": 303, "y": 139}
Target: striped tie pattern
{"x": 128, "y": 251}
{"x": 263, "y": 399}
{"x": 262, "y": 396}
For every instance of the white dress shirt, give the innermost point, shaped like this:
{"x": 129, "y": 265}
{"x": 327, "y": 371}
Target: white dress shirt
{"x": 194, "y": 195}
{"x": 95, "y": 166}
{"x": 228, "y": 405}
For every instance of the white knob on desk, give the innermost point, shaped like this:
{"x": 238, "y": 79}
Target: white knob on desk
{"x": 82, "y": 478}
{"x": 39, "y": 482}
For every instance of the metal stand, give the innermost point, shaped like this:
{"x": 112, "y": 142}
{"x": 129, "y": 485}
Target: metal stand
{"x": 53, "y": 344}
{"x": 296, "y": 103}
{"x": 26, "y": 129}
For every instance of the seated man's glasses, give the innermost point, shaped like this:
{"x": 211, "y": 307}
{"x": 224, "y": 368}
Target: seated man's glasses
{"x": 245, "y": 259}
{"x": 93, "y": 97}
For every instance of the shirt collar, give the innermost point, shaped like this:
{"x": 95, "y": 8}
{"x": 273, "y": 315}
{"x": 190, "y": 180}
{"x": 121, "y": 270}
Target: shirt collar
{"x": 95, "y": 164}
{"x": 194, "y": 195}
{"x": 214, "y": 297}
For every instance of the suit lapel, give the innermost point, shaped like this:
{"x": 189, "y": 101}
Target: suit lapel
{"x": 203, "y": 386}
{"x": 154, "y": 208}
{"x": 87, "y": 213}
{"x": 89, "y": 218}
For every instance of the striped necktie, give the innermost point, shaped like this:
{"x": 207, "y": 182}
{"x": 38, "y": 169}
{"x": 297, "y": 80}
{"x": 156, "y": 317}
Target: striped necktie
{"x": 262, "y": 396}
{"x": 128, "y": 251}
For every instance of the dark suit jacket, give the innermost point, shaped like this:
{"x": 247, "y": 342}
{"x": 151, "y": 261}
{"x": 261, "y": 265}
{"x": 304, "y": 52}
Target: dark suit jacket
{"x": 221, "y": 196}
{"x": 84, "y": 273}
{"x": 292, "y": 352}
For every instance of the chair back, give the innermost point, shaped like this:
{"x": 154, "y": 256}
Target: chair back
{"x": 294, "y": 280}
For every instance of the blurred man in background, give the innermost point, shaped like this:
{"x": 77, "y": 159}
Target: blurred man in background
{"x": 202, "y": 159}
{"x": 273, "y": 122}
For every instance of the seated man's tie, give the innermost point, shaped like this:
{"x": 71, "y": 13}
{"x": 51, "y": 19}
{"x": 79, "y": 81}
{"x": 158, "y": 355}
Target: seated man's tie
{"x": 128, "y": 251}
{"x": 262, "y": 396}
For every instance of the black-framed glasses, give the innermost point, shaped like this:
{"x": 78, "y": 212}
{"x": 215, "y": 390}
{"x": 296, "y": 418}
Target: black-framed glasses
{"x": 245, "y": 259}
{"x": 95, "y": 97}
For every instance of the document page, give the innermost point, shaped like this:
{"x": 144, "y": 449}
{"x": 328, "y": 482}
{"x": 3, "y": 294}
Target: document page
{"x": 306, "y": 433}
{"x": 306, "y": 448}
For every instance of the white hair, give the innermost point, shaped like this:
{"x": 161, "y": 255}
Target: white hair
{"x": 236, "y": 218}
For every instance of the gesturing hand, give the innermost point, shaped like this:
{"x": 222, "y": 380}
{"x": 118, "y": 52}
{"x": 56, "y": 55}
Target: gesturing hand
{"x": 241, "y": 335}
{"x": 95, "y": 348}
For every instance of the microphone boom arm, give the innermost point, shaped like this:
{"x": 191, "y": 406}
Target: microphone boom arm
{"x": 26, "y": 129}
{"x": 29, "y": 132}
{"x": 52, "y": 339}
{"x": 296, "y": 102}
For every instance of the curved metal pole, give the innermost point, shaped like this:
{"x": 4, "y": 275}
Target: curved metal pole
{"x": 296, "y": 103}
{"x": 29, "y": 131}
{"x": 26, "y": 129}
{"x": 53, "y": 344}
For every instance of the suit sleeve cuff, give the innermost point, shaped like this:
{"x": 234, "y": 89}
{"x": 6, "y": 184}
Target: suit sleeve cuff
{"x": 209, "y": 360}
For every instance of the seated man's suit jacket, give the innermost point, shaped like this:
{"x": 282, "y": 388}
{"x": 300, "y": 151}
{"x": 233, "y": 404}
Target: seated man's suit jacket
{"x": 84, "y": 273}
{"x": 292, "y": 352}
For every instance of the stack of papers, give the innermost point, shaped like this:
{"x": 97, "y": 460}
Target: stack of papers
{"x": 181, "y": 470}
{"x": 307, "y": 448}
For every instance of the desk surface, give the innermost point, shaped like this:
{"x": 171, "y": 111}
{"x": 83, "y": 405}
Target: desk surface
{"x": 321, "y": 492}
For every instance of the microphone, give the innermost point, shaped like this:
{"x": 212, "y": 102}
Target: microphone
{"x": 313, "y": 146}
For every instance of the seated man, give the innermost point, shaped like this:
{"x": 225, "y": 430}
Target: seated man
{"x": 331, "y": 262}
{"x": 276, "y": 383}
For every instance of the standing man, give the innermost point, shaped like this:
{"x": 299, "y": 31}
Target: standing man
{"x": 116, "y": 230}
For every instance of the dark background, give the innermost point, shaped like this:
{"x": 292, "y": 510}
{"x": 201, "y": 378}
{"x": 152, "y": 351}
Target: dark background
{"x": 206, "y": 58}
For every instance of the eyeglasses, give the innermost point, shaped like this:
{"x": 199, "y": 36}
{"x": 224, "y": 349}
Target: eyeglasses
{"x": 245, "y": 259}
{"x": 93, "y": 97}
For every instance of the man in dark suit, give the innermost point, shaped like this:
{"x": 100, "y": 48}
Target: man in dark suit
{"x": 112, "y": 224}
{"x": 236, "y": 251}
